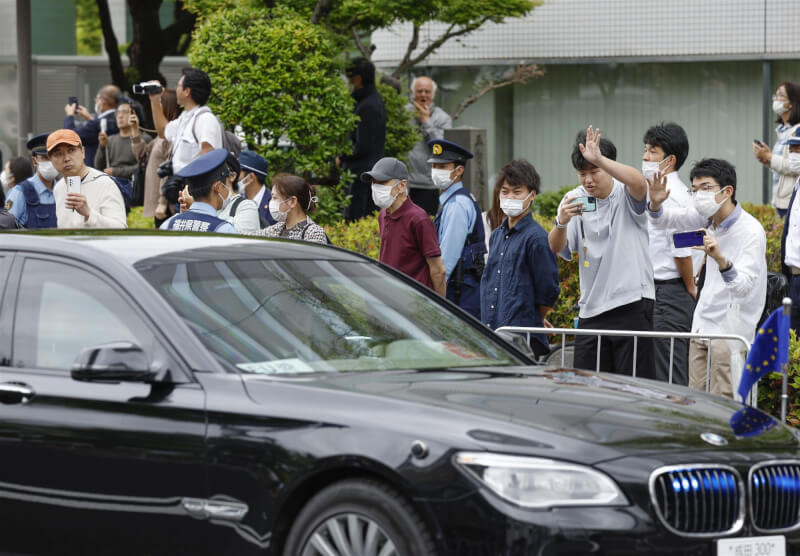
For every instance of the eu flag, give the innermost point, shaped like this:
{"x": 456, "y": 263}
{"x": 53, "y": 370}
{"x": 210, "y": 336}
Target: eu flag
{"x": 770, "y": 350}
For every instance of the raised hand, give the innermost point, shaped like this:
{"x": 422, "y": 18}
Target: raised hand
{"x": 591, "y": 150}
{"x": 658, "y": 190}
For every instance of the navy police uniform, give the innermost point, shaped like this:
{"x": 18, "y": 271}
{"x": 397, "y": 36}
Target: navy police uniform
{"x": 459, "y": 227}
{"x": 254, "y": 162}
{"x": 31, "y": 201}
{"x": 201, "y": 173}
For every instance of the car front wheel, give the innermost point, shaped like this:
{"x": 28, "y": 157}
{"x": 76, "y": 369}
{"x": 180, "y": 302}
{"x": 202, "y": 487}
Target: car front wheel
{"x": 359, "y": 518}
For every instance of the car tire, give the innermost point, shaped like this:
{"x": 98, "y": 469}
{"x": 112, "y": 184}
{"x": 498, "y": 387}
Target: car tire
{"x": 362, "y": 516}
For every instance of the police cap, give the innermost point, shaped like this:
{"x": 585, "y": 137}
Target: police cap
{"x": 206, "y": 169}
{"x": 447, "y": 151}
{"x": 38, "y": 144}
{"x": 253, "y": 162}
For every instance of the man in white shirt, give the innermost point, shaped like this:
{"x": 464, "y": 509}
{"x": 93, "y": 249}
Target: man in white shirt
{"x": 734, "y": 290}
{"x": 790, "y": 240}
{"x": 604, "y": 222}
{"x": 197, "y": 130}
{"x": 99, "y": 203}
{"x": 665, "y": 150}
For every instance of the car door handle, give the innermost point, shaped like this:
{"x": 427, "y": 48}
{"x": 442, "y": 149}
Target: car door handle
{"x": 15, "y": 392}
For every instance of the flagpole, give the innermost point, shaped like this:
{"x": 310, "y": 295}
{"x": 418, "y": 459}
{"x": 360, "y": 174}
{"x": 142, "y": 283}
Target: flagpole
{"x": 787, "y": 311}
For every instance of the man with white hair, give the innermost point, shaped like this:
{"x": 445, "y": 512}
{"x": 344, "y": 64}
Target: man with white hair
{"x": 432, "y": 122}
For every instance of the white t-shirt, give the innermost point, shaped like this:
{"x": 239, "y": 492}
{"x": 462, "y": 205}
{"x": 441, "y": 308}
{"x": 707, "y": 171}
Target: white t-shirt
{"x": 187, "y": 134}
{"x": 662, "y": 248}
{"x": 615, "y": 267}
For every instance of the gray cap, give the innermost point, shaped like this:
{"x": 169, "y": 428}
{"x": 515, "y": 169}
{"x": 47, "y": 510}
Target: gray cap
{"x": 386, "y": 169}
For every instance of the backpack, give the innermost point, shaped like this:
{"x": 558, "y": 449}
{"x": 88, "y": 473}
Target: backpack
{"x": 125, "y": 189}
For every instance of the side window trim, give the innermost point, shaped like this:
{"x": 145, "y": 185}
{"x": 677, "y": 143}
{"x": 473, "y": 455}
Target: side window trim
{"x": 9, "y": 278}
{"x": 15, "y": 282}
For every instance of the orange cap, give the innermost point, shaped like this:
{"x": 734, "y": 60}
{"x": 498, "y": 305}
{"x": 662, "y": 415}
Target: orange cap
{"x": 63, "y": 136}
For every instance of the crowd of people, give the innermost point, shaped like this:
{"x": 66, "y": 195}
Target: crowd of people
{"x": 653, "y": 253}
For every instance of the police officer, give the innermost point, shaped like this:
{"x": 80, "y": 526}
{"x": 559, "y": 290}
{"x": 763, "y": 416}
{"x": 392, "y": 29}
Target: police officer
{"x": 237, "y": 210}
{"x": 459, "y": 226}
{"x": 206, "y": 176}
{"x": 253, "y": 184}
{"x": 31, "y": 201}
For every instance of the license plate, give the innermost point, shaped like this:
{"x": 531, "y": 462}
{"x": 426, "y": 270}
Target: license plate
{"x": 752, "y": 546}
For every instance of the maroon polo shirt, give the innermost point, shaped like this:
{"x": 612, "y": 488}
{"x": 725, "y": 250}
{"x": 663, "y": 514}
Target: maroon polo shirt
{"x": 408, "y": 238}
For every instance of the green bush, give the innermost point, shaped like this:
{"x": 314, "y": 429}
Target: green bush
{"x": 546, "y": 203}
{"x": 138, "y": 222}
{"x": 278, "y": 76}
{"x": 401, "y": 134}
{"x": 361, "y": 236}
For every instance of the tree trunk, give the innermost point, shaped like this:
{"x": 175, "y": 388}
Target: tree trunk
{"x": 147, "y": 47}
{"x": 112, "y": 48}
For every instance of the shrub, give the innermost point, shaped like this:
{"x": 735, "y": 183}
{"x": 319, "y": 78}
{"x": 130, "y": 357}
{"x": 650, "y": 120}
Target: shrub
{"x": 361, "y": 236}
{"x": 546, "y": 203}
{"x": 401, "y": 134}
{"x": 138, "y": 222}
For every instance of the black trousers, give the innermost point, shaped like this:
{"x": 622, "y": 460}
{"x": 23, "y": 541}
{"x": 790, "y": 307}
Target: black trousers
{"x": 616, "y": 352}
{"x": 794, "y": 294}
{"x": 361, "y": 204}
{"x": 426, "y": 199}
{"x": 672, "y": 312}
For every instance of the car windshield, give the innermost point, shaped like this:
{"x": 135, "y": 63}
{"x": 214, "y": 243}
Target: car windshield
{"x": 281, "y": 317}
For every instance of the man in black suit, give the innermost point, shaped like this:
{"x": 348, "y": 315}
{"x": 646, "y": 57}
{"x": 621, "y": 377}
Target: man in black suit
{"x": 790, "y": 240}
{"x": 105, "y": 105}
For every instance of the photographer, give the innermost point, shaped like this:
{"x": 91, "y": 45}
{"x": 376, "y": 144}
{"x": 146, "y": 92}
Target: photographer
{"x": 196, "y": 131}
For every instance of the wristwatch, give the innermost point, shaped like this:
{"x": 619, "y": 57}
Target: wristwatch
{"x": 559, "y": 224}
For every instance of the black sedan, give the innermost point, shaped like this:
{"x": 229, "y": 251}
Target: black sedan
{"x": 193, "y": 394}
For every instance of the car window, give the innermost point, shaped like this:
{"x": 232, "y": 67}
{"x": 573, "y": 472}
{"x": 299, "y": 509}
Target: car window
{"x": 62, "y": 309}
{"x": 303, "y": 316}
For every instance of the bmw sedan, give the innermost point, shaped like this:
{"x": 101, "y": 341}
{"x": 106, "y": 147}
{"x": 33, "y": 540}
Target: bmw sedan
{"x": 199, "y": 394}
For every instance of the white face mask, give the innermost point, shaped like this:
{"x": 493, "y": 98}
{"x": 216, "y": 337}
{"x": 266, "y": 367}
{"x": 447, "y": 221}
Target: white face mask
{"x": 705, "y": 203}
{"x": 382, "y": 195}
{"x": 225, "y": 200}
{"x": 649, "y": 169}
{"x": 441, "y": 178}
{"x": 47, "y": 170}
{"x": 5, "y": 180}
{"x": 778, "y": 107}
{"x": 514, "y": 207}
{"x": 97, "y": 108}
{"x": 275, "y": 210}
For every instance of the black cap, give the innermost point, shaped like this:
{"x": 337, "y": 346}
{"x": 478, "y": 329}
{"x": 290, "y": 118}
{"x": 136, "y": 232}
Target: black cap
{"x": 38, "y": 144}
{"x": 447, "y": 151}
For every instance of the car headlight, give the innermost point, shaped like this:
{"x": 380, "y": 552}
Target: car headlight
{"x": 541, "y": 483}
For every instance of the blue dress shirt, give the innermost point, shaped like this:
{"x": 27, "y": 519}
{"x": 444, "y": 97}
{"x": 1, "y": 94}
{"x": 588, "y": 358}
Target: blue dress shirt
{"x": 520, "y": 276}
{"x": 18, "y": 206}
{"x": 458, "y": 218}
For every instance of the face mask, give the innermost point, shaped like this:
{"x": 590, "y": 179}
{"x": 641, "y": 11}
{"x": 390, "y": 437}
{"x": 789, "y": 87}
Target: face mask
{"x": 705, "y": 203}
{"x": 47, "y": 170}
{"x": 5, "y": 180}
{"x": 441, "y": 178}
{"x": 245, "y": 183}
{"x": 778, "y": 107}
{"x": 513, "y": 207}
{"x": 97, "y": 107}
{"x": 275, "y": 210}
{"x": 225, "y": 200}
{"x": 382, "y": 195}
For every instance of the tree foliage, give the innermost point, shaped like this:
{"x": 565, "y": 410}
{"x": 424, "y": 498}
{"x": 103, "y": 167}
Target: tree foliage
{"x": 276, "y": 74}
{"x": 401, "y": 134}
{"x": 87, "y": 28}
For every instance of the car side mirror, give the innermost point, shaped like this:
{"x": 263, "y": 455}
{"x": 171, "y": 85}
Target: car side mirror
{"x": 114, "y": 362}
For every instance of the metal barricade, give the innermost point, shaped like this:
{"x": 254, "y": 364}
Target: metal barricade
{"x": 635, "y": 334}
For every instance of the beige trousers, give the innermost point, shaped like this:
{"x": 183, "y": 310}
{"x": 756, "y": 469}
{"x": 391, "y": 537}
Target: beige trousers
{"x": 719, "y": 368}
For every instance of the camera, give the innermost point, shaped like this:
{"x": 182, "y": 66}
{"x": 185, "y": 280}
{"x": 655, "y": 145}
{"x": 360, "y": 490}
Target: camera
{"x": 146, "y": 88}
{"x": 172, "y": 188}
{"x": 165, "y": 169}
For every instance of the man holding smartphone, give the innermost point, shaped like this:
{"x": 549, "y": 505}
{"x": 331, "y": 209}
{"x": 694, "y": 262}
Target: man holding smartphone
{"x": 734, "y": 289}
{"x": 105, "y": 104}
{"x": 666, "y": 148}
{"x": 91, "y": 199}
{"x": 616, "y": 275}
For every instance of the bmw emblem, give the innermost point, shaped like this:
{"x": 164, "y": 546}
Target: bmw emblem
{"x": 713, "y": 439}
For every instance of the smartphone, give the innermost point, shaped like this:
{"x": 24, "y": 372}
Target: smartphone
{"x": 103, "y": 125}
{"x": 73, "y": 184}
{"x": 589, "y": 203}
{"x": 759, "y": 142}
{"x": 73, "y": 100}
{"x": 688, "y": 239}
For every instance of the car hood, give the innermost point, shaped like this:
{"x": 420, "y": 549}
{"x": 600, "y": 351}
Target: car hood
{"x": 562, "y": 409}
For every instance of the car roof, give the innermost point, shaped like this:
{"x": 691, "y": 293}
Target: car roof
{"x": 132, "y": 246}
